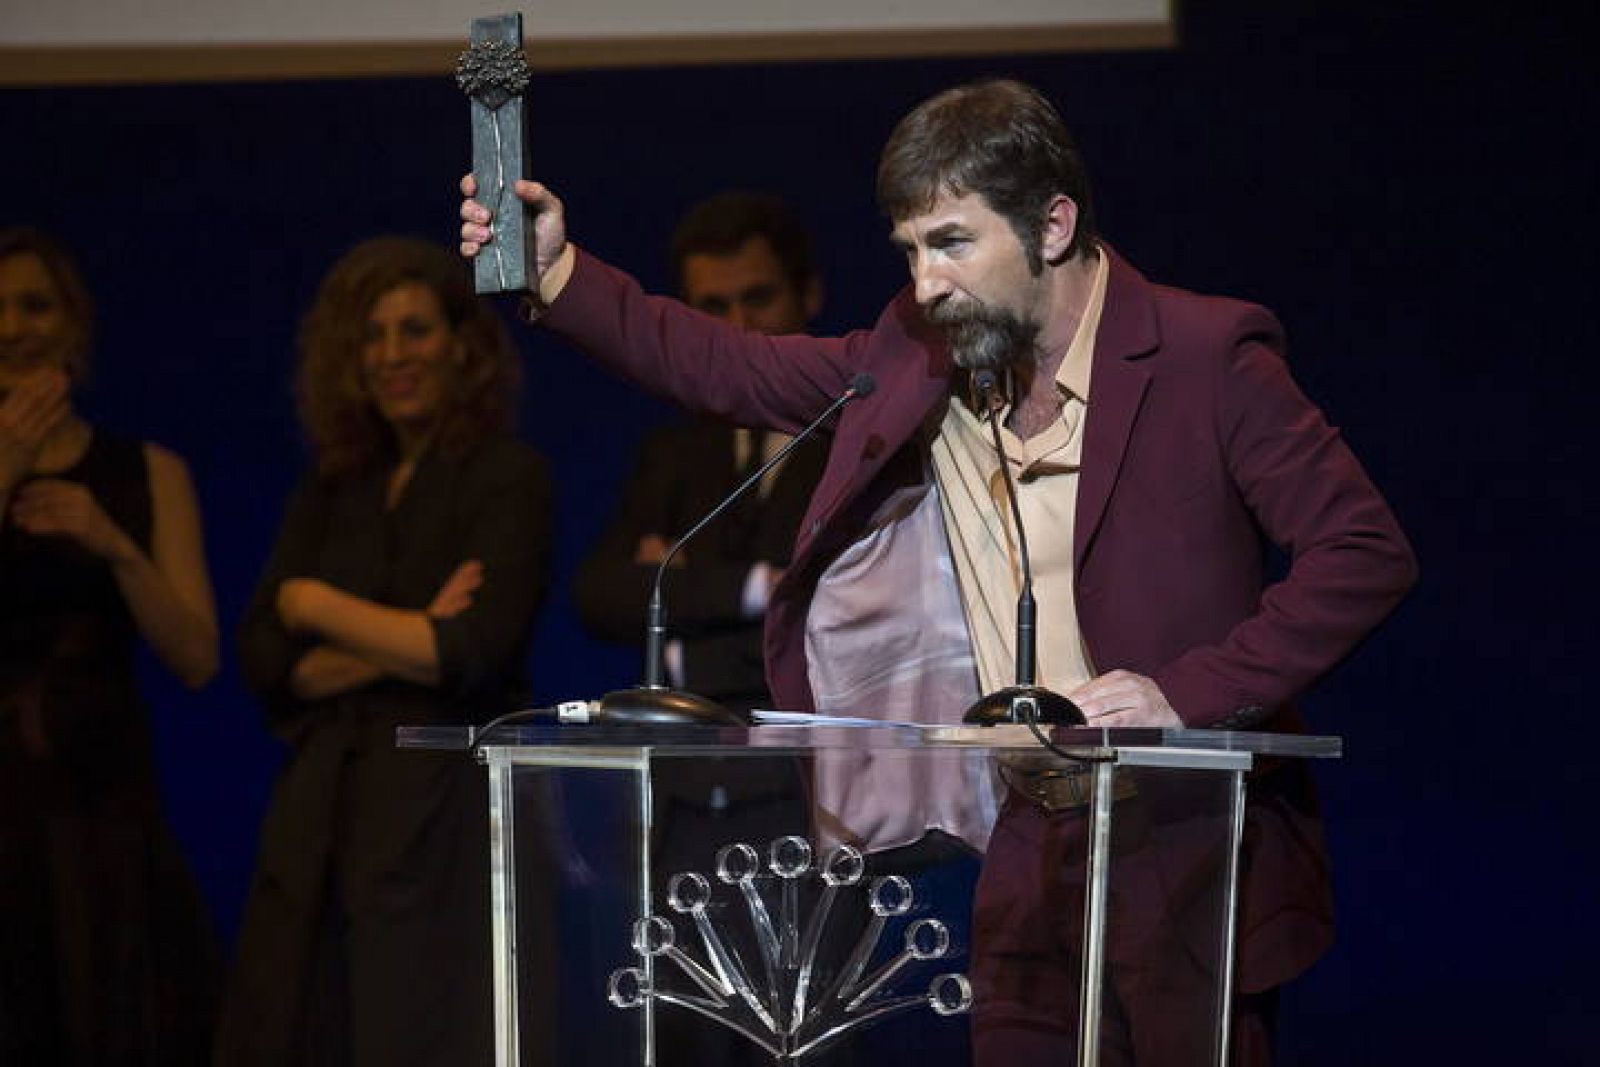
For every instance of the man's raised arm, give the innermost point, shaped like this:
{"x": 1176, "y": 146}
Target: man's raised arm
{"x": 660, "y": 344}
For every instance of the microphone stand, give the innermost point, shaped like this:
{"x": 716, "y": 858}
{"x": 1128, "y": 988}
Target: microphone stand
{"x": 1024, "y": 702}
{"x": 653, "y": 702}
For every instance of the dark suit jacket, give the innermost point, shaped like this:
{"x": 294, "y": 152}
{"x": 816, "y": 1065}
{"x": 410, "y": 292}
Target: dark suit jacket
{"x": 1198, "y": 447}
{"x": 682, "y": 471}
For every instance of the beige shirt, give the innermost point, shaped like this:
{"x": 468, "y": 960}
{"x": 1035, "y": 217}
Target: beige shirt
{"x": 983, "y": 537}
{"x": 917, "y": 618}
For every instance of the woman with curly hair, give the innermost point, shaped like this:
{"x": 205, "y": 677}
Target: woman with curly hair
{"x": 401, "y": 592}
{"x": 107, "y": 955}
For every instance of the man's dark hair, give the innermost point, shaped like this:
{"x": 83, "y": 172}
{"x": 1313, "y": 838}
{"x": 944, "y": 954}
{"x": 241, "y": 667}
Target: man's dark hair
{"x": 998, "y": 138}
{"x": 720, "y": 226}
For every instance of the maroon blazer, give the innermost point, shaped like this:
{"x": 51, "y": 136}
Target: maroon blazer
{"x": 1198, "y": 445}
{"x": 1198, "y": 448}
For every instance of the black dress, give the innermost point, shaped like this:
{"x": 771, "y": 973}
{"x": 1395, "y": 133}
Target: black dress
{"x": 108, "y": 956}
{"x": 365, "y": 935}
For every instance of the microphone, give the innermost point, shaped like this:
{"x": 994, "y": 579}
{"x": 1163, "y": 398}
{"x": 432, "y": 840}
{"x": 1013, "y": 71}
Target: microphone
{"x": 652, "y": 701}
{"x": 1023, "y": 702}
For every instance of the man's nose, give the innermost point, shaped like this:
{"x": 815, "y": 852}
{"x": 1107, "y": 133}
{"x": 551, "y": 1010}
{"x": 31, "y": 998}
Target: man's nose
{"x": 737, "y": 315}
{"x": 929, "y": 285}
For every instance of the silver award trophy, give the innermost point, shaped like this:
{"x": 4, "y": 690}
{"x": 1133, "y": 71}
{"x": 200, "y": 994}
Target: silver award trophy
{"x": 780, "y": 1001}
{"x": 493, "y": 72}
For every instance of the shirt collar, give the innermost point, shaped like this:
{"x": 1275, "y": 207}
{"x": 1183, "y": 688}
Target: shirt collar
{"x": 1078, "y": 364}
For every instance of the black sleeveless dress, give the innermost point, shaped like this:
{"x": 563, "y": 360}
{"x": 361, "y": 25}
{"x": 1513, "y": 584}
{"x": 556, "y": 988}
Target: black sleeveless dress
{"x": 108, "y": 955}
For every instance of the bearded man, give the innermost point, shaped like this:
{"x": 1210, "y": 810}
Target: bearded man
{"x": 1159, "y": 442}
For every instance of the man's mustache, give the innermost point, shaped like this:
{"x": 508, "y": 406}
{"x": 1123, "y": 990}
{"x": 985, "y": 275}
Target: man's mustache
{"x": 950, "y": 313}
{"x": 983, "y": 336}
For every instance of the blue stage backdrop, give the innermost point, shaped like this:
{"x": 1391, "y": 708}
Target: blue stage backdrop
{"x": 1412, "y": 193}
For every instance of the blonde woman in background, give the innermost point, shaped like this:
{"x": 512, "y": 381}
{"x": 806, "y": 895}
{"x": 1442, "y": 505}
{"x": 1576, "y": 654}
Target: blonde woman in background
{"x": 108, "y": 956}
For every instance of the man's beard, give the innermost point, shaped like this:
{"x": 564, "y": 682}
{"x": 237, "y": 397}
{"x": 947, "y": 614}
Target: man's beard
{"x": 983, "y": 337}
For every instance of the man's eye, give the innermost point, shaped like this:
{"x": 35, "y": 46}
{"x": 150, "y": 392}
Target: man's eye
{"x": 717, "y": 307}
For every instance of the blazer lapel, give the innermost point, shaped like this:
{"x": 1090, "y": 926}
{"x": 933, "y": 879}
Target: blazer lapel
{"x": 912, "y": 368}
{"x": 1117, "y": 386}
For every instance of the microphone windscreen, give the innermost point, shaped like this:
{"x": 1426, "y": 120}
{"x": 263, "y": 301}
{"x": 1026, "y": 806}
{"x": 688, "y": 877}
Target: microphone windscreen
{"x": 863, "y": 385}
{"x": 983, "y": 381}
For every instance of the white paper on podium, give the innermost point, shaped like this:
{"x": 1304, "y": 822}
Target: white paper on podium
{"x": 808, "y": 718}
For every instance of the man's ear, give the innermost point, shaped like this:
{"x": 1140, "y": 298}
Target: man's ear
{"x": 813, "y": 298}
{"x": 1059, "y": 228}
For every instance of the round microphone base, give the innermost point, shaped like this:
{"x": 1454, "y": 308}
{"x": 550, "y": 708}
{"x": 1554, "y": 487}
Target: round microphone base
{"x": 1020, "y": 704}
{"x": 660, "y": 706}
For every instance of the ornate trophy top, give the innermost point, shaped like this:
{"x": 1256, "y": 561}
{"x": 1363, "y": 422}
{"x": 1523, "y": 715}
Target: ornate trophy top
{"x": 492, "y": 72}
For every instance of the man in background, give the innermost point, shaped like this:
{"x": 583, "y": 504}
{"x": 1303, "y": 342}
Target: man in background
{"x": 743, "y": 258}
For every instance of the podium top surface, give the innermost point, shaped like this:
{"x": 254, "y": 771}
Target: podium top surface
{"x": 504, "y": 742}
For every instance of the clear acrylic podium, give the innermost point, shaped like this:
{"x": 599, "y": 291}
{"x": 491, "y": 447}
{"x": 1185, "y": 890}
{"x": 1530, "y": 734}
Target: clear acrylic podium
{"x": 756, "y": 895}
